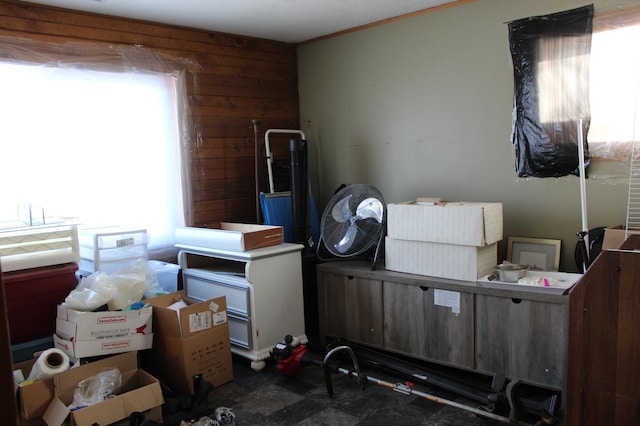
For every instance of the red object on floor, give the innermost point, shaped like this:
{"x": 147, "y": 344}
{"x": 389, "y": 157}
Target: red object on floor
{"x": 32, "y": 297}
{"x": 293, "y": 363}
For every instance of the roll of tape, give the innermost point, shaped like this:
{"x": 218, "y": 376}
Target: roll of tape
{"x": 50, "y": 362}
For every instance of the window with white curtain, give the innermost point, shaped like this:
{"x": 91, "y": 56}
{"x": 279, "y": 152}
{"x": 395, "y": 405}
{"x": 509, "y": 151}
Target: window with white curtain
{"x": 92, "y": 147}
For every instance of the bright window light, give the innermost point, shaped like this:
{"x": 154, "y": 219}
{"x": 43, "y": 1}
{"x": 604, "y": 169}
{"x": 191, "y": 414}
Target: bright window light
{"x": 96, "y": 148}
{"x": 615, "y": 85}
{"x": 561, "y": 65}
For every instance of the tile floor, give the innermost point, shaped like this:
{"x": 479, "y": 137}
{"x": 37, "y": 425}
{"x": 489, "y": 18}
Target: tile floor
{"x": 271, "y": 398}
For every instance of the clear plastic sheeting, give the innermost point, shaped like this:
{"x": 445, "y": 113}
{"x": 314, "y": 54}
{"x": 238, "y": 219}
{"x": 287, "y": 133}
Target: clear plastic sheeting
{"x": 89, "y": 56}
{"x": 162, "y": 85}
{"x": 615, "y": 84}
{"x": 551, "y": 91}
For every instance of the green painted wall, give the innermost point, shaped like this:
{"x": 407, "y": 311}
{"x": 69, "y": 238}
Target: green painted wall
{"x": 422, "y": 107}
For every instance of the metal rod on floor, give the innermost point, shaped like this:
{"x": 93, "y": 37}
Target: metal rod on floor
{"x": 408, "y": 390}
{"x": 327, "y": 367}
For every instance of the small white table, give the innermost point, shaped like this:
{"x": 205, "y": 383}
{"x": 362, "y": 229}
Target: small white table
{"x": 263, "y": 289}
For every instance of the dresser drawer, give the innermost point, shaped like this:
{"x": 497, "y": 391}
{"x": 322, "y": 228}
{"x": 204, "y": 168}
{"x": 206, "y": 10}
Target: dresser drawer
{"x": 240, "y": 331}
{"x": 203, "y": 285}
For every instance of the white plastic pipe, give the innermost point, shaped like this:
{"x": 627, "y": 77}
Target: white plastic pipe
{"x": 583, "y": 188}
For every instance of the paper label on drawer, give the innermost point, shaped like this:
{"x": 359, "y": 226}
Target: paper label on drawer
{"x": 199, "y": 321}
{"x": 219, "y": 318}
{"x": 123, "y": 242}
{"x": 449, "y": 299}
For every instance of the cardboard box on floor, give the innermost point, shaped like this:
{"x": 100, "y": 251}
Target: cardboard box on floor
{"x": 139, "y": 392}
{"x": 192, "y": 341}
{"x": 33, "y": 398}
{"x": 614, "y": 236}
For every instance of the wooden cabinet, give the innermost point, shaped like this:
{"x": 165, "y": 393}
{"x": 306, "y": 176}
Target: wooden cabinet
{"x": 351, "y": 307}
{"x": 521, "y": 338}
{"x": 416, "y": 324}
{"x": 519, "y": 333}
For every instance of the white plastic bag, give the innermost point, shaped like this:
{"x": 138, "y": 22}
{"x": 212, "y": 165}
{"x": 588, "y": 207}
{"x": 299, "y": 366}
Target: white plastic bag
{"x": 118, "y": 290}
{"x": 130, "y": 284}
{"x": 92, "y": 292}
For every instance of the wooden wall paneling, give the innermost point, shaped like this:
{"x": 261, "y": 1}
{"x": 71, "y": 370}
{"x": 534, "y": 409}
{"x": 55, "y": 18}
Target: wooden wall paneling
{"x": 237, "y": 79}
{"x": 48, "y": 22}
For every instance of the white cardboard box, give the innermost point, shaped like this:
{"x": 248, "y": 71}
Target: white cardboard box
{"x": 230, "y": 236}
{"x": 83, "y": 326}
{"x": 436, "y": 221}
{"x": 86, "y": 334}
{"x": 110, "y": 346}
{"x": 452, "y": 261}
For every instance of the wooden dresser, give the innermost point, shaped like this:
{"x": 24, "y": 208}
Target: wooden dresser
{"x": 519, "y": 333}
{"x": 603, "y": 387}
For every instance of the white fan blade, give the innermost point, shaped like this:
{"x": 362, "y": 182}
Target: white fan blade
{"x": 341, "y": 211}
{"x": 347, "y": 241}
{"x": 370, "y": 208}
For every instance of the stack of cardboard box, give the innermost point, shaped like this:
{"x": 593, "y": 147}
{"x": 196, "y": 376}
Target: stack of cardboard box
{"x": 192, "y": 339}
{"x": 87, "y": 334}
{"x": 189, "y": 342}
{"x": 455, "y": 240}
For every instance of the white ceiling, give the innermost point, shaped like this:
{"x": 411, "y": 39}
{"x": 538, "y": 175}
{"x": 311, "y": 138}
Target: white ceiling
{"x": 289, "y": 21}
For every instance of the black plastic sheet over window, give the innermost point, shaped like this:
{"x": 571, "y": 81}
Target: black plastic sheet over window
{"x": 551, "y": 91}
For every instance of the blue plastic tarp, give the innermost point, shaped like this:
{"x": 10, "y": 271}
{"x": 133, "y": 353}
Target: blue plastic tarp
{"x": 276, "y": 210}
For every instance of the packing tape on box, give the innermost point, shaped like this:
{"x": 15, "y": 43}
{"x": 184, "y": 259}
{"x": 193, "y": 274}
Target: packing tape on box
{"x": 50, "y": 362}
